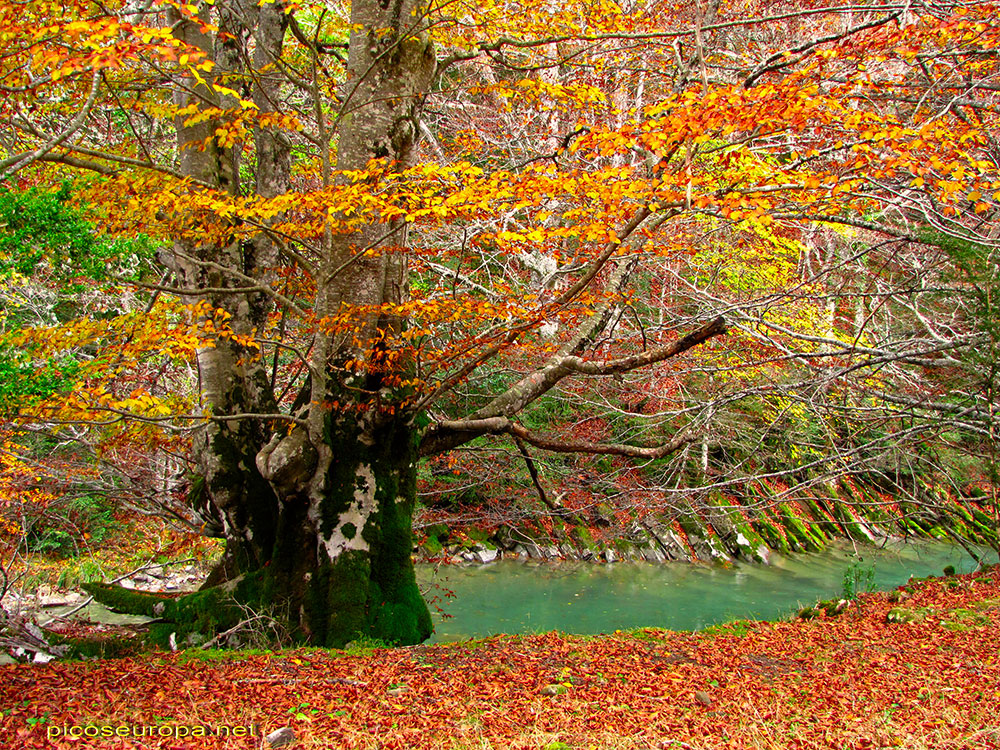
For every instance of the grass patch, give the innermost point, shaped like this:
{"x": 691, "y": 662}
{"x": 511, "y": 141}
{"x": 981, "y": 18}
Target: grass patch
{"x": 736, "y": 628}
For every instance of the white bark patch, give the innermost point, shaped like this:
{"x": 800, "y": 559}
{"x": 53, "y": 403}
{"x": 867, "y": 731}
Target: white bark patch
{"x": 356, "y": 515}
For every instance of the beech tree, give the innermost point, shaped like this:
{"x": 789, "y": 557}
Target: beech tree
{"x": 351, "y": 245}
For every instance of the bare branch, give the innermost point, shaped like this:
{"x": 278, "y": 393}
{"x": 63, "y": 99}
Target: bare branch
{"x": 473, "y": 428}
{"x": 13, "y": 163}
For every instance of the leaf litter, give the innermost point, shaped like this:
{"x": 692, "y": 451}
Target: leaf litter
{"x": 855, "y": 681}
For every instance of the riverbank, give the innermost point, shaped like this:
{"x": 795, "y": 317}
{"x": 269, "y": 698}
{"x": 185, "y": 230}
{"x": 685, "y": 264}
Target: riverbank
{"x": 749, "y": 525}
{"x": 916, "y": 668}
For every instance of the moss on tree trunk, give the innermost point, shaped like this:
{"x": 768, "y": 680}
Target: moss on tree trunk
{"x": 340, "y": 567}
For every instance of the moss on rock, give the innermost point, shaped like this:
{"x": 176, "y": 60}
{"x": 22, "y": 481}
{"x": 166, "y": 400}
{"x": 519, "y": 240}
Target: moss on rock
{"x": 796, "y": 528}
{"x": 738, "y": 535}
{"x": 771, "y": 534}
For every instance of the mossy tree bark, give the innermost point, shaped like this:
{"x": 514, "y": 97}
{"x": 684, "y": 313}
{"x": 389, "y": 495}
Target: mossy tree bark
{"x": 347, "y": 476}
{"x": 316, "y": 518}
{"x": 230, "y": 496}
{"x": 342, "y": 563}
{"x": 340, "y": 567}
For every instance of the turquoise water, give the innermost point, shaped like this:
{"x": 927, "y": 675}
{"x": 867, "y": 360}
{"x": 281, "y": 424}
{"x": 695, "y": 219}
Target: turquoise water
{"x": 528, "y": 597}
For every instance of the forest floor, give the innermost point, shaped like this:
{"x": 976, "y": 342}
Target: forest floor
{"x": 852, "y": 681}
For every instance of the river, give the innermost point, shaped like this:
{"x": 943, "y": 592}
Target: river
{"x": 585, "y": 598}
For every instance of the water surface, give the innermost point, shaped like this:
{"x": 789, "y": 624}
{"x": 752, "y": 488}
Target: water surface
{"x": 586, "y": 598}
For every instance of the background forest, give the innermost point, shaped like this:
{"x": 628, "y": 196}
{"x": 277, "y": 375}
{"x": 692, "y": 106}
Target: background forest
{"x": 595, "y": 279}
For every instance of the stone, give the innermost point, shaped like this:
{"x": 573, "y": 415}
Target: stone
{"x": 281, "y": 737}
{"x": 707, "y": 548}
{"x": 904, "y": 614}
{"x": 486, "y": 555}
{"x": 60, "y": 600}
{"x": 653, "y": 554}
{"x": 677, "y": 550}
{"x": 703, "y": 698}
{"x": 863, "y": 527}
{"x": 718, "y": 551}
{"x": 808, "y": 613}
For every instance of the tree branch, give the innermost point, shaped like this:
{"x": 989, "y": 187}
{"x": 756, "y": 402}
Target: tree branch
{"x": 13, "y": 163}
{"x": 472, "y": 428}
{"x": 493, "y": 418}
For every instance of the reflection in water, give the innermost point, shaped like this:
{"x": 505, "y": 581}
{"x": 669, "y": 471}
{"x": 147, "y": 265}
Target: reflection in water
{"x": 517, "y": 597}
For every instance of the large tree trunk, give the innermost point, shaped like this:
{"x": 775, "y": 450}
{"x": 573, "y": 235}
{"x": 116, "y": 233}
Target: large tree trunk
{"x": 230, "y": 495}
{"x": 342, "y": 558}
{"x": 316, "y": 519}
{"x": 348, "y": 477}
